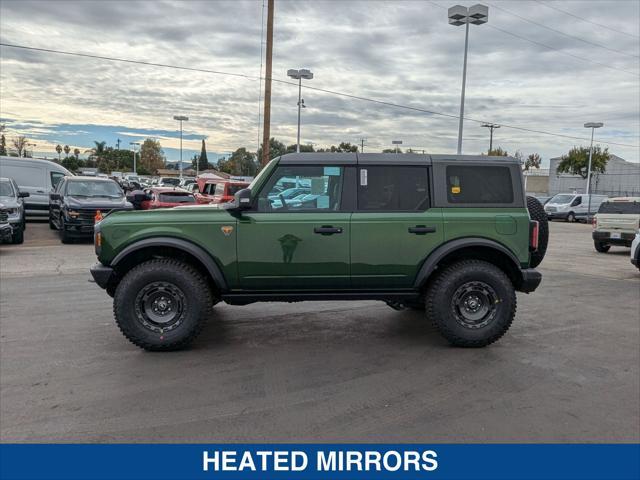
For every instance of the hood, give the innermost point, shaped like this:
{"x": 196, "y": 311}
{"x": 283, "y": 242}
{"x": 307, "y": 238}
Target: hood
{"x": 9, "y": 202}
{"x": 193, "y": 212}
{"x": 96, "y": 202}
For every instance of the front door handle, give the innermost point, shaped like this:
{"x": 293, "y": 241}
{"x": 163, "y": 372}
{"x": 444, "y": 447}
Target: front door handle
{"x": 327, "y": 230}
{"x": 421, "y": 230}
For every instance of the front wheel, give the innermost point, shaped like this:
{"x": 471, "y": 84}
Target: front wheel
{"x": 18, "y": 236}
{"x": 601, "y": 247}
{"x": 571, "y": 217}
{"x": 162, "y": 304}
{"x": 472, "y": 303}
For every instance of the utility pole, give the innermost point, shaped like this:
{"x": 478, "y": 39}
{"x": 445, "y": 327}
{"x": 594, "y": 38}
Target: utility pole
{"x": 362, "y": 140}
{"x": 266, "y": 130}
{"x": 491, "y": 127}
{"x": 118, "y": 143}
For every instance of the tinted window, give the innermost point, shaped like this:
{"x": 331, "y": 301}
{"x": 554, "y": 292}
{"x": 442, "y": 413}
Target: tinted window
{"x": 171, "y": 181}
{"x": 471, "y": 184}
{"x": 631, "y": 208}
{"x": 55, "y": 178}
{"x": 309, "y": 188}
{"x": 561, "y": 199}
{"x": 177, "y": 197}
{"x": 91, "y": 188}
{"x": 6, "y": 189}
{"x": 393, "y": 188}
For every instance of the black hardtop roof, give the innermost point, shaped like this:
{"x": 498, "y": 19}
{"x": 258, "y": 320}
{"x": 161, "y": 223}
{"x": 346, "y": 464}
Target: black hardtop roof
{"x": 388, "y": 158}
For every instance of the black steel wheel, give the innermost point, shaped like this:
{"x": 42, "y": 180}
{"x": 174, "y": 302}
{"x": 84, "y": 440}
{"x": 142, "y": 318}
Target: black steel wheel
{"x": 162, "y": 304}
{"x": 471, "y": 302}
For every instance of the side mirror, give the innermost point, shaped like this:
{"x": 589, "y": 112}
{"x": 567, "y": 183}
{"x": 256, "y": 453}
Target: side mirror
{"x": 23, "y": 194}
{"x": 241, "y": 201}
{"x": 54, "y": 196}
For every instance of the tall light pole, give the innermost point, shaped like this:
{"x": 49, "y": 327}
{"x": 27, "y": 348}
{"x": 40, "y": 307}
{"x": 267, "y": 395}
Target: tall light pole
{"x": 592, "y": 126}
{"x": 181, "y": 118}
{"x": 460, "y": 15}
{"x": 491, "y": 127}
{"x": 133, "y": 148}
{"x": 299, "y": 75}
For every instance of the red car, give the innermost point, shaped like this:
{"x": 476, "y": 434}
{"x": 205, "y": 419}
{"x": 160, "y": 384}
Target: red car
{"x": 166, "y": 197}
{"x": 219, "y": 191}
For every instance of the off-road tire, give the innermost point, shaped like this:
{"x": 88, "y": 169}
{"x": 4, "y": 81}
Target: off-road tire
{"x": 17, "y": 237}
{"x": 440, "y": 302}
{"x": 197, "y": 299}
{"x": 536, "y": 212}
{"x": 601, "y": 247}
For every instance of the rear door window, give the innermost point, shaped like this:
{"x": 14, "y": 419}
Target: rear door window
{"x": 468, "y": 184}
{"x": 393, "y": 188}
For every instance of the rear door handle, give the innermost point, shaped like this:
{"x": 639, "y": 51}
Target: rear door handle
{"x": 327, "y": 230}
{"x": 421, "y": 230}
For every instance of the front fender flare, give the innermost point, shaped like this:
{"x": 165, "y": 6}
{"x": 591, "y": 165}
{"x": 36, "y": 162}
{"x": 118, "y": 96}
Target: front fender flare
{"x": 442, "y": 251}
{"x": 195, "y": 250}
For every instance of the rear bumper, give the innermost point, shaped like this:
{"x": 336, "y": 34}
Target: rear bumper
{"x": 531, "y": 279}
{"x": 102, "y": 274}
{"x": 625, "y": 239}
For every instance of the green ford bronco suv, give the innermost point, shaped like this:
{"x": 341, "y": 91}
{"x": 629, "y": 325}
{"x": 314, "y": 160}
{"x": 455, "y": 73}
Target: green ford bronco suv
{"x": 452, "y": 235}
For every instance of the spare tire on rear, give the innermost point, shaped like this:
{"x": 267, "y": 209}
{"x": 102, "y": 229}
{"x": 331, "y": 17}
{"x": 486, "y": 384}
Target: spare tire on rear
{"x": 536, "y": 212}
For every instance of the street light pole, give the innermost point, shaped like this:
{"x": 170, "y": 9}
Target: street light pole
{"x": 135, "y": 170}
{"x": 180, "y": 118}
{"x": 299, "y": 75}
{"x": 592, "y": 126}
{"x": 460, "y": 15}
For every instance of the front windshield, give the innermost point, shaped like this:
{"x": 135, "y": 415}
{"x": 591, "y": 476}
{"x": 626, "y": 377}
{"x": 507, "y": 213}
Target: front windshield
{"x": 93, "y": 188}
{"x": 561, "y": 199}
{"x": 6, "y": 189}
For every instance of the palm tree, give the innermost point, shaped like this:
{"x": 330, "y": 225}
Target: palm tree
{"x": 76, "y": 152}
{"x": 59, "y": 150}
{"x": 66, "y": 149}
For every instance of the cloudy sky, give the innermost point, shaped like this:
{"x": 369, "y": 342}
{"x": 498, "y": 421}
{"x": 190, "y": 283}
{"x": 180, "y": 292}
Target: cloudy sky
{"x": 539, "y": 65}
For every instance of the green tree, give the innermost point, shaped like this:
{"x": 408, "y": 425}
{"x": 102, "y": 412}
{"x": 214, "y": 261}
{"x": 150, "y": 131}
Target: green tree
{"x": 532, "y": 161}
{"x": 576, "y": 162}
{"x": 76, "y": 153}
{"x": 276, "y": 149}
{"x": 71, "y": 164}
{"x": 59, "y": 150}
{"x": 303, "y": 148}
{"x": 392, "y": 150}
{"x": 241, "y": 162}
{"x": 66, "y": 149}
{"x": 151, "y": 156}
{"x": 343, "y": 147}
{"x": 497, "y": 152}
{"x": 3, "y": 145}
{"x": 203, "y": 161}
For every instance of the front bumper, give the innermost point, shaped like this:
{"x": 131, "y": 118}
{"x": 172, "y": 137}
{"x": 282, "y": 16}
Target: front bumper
{"x": 554, "y": 215}
{"x": 531, "y": 279}
{"x": 102, "y": 274}
{"x": 625, "y": 239}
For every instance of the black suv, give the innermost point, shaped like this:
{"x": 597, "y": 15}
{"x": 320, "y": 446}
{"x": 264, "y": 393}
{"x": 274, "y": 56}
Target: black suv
{"x": 76, "y": 201}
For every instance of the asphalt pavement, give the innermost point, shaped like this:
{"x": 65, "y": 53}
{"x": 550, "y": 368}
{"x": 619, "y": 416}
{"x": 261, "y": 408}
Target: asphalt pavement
{"x": 567, "y": 371}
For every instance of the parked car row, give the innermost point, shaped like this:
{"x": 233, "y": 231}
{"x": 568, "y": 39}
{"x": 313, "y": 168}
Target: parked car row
{"x": 616, "y": 223}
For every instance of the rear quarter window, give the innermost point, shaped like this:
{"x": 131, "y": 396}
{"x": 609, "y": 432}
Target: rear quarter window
{"x": 468, "y": 184}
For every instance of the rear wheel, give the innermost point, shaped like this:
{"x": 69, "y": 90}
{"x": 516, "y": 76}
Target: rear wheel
{"x": 162, "y": 304}
{"x": 601, "y": 247}
{"x": 472, "y": 303}
{"x": 571, "y": 217}
{"x": 536, "y": 212}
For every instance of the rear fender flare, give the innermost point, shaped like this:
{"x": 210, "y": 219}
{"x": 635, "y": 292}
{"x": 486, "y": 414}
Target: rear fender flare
{"x": 432, "y": 261}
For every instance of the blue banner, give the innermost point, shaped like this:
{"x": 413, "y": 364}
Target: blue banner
{"x": 319, "y": 461}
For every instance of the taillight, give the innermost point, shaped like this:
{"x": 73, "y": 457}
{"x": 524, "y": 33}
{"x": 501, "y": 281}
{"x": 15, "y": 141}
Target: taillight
{"x": 535, "y": 231}
{"x": 594, "y": 222}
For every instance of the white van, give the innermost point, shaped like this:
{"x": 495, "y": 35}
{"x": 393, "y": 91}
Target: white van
{"x": 572, "y": 206}
{"x": 38, "y": 177}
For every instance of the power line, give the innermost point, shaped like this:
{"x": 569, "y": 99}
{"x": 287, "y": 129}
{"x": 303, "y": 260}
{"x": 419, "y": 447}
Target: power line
{"x": 317, "y": 89}
{"x": 584, "y": 59}
{"x": 595, "y": 44}
{"x": 586, "y": 19}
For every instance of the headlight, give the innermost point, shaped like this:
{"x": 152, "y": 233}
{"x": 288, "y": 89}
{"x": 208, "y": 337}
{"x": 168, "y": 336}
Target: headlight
{"x": 13, "y": 212}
